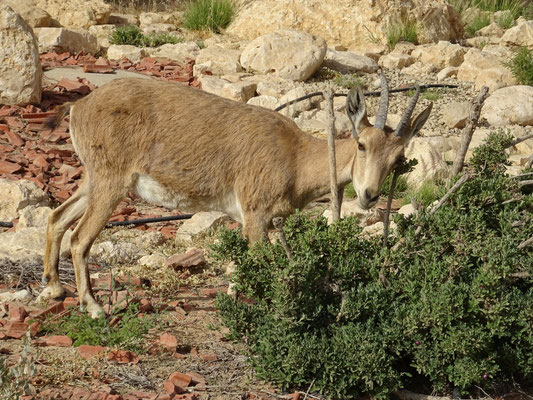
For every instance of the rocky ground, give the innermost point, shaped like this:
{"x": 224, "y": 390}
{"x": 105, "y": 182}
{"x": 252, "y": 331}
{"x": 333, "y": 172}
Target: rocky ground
{"x": 60, "y": 53}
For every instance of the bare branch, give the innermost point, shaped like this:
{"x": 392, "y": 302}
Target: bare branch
{"x": 278, "y": 224}
{"x": 475, "y": 112}
{"x": 529, "y": 163}
{"x": 407, "y": 395}
{"x": 525, "y": 183}
{"x": 335, "y": 203}
{"x": 526, "y": 243}
{"x": 387, "y": 211}
{"x": 520, "y": 140}
{"x": 522, "y": 274}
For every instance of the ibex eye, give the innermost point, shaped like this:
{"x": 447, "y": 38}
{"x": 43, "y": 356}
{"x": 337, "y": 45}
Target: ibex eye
{"x": 361, "y": 147}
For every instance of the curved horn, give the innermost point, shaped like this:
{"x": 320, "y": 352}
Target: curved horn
{"x": 407, "y": 114}
{"x": 381, "y": 118}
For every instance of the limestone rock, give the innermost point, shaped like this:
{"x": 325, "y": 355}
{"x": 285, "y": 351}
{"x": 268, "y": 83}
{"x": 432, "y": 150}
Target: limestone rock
{"x": 296, "y": 108}
{"x": 20, "y": 295}
{"x": 67, "y": 40}
{"x": 484, "y": 69}
{"x": 20, "y": 66}
{"x": 346, "y": 22}
{"x": 118, "y": 52}
{"x": 493, "y": 29}
{"x": 222, "y": 61}
{"x": 519, "y": 35}
{"x": 396, "y": 61}
{"x": 16, "y": 195}
{"x": 177, "y": 52}
{"x": 121, "y": 251}
{"x": 455, "y": 114}
{"x": 238, "y": 91}
{"x": 33, "y": 15}
{"x": 430, "y": 163}
{"x": 123, "y": 19}
{"x": 406, "y": 210}
{"x": 348, "y": 62}
{"x": 153, "y": 18}
{"x": 33, "y": 217}
{"x": 447, "y": 72}
{"x": 287, "y": 53}
{"x": 152, "y": 261}
{"x": 353, "y": 208}
{"x": 102, "y": 33}
{"x": 404, "y": 48}
{"x": 158, "y": 28}
{"x": 200, "y": 223}
{"x": 509, "y": 105}
{"x": 264, "y": 101}
{"x": 317, "y": 122}
{"x": 76, "y": 13}
{"x": 441, "y": 55}
{"x": 29, "y": 244}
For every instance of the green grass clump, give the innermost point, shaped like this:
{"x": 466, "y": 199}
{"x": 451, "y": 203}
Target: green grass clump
{"x": 82, "y": 329}
{"x": 521, "y": 66}
{"x": 132, "y": 35}
{"x": 348, "y": 81}
{"x": 401, "y": 186}
{"x": 425, "y": 195}
{"x": 213, "y": 15}
{"x": 516, "y": 7}
{"x": 402, "y": 30}
{"x": 449, "y": 308}
{"x": 478, "y": 23}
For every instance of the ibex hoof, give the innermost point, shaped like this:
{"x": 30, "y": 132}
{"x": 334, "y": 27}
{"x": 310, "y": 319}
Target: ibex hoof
{"x": 51, "y": 292}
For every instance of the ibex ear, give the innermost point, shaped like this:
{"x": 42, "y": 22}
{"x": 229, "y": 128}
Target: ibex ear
{"x": 356, "y": 110}
{"x": 416, "y": 124}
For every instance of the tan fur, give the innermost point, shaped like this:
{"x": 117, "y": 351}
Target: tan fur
{"x": 203, "y": 150}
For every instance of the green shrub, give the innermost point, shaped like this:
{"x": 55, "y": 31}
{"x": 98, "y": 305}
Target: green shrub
{"x": 479, "y": 22}
{"x": 449, "y": 308}
{"x": 349, "y": 191}
{"x": 348, "y": 81}
{"x": 402, "y": 30}
{"x": 214, "y": 15}
{"x": 517, "y": 8}
{"x": 401, "y": 186}
{"x": 82, "y": 329}
{"x": 132, "y": 35}
{"x": 521, "y": 66}
{"x": 425, "y": 195}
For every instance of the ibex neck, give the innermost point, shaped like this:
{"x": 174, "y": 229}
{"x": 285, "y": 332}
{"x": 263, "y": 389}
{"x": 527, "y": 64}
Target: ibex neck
{"x": 314, "y": 177}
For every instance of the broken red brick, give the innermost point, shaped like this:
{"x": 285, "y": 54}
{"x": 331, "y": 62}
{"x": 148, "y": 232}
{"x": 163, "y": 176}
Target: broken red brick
{"x": 101, "y": 69}
{"x": 168, "y": 341}
{"x": 16, "y": 329}
{"x": 122, "y": 357}
{"x": 180, "y": 379}
{"x": 17, "y": 313}
{"x": 86, "y": 351}
{"x": 70, "y": 302}
{"x": 58, "y": 341}
{"x": 55, "y": 308}
{"x": 208, "y": 357}
{"x": 197, "y": 380}
{"x": 7, "y": 167}
{"x": 192, "y": 258}
{"x": 142, "y": 395}
{"x": 146, "y": 306}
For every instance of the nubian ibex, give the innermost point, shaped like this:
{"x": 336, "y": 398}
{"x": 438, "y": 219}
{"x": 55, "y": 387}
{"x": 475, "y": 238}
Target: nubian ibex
{"x": 185, "y": 148}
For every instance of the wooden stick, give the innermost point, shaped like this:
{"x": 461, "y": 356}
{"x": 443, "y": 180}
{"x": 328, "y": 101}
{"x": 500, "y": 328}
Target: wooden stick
{"x": 525, "y": 183}
{"x": 529, "y": 163}
{"x": 520, "y": 140}
{"x": 387, "y": 211}
{"x": 526, "y": 243}
{"x": 475, "y": 112}
{"x": 335, "y": 203}
{"x": 278, "y": 224}
{"x": 407, "y": 395}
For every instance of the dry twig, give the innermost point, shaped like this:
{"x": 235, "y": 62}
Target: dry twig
{"x": 278, "y": 224}
{"x": 335, "y": 197}
{"x": 387, "y": 211}
{"x": 520, "y": 140}
{"x": 475, "y": 112}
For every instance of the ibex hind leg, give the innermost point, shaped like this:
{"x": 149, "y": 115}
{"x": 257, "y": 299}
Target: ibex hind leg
{"x": 102, "y": 200}
{"x": 58, "y": 223}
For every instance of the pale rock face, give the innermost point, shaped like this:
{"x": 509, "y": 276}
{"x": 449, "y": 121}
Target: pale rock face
{"x": 70, "y": 40}
{"x": 494, "y": 29}
{"x": 441, "y": 55}
{"x": 223, "y": 61}
{"x": 316, "y": 122}
{"x": 239, "y": 91}
{"x": 152, "y": 261}
{"x": 430, "y": 163}
{"x": 485, "y": 69}
{"x": 512, "y": 105}
{"x": 289, "y": 54}
{"x": 346, "y": 22}
{"x": 447, "y": 73}
{"x": 29, "y": 244}
{"x": 76, "y": 13}
{"x": 109, "y": 251}
{"x": 455, "y": 114}
{"x": 519, "y": 35}
{"x": 132, "y": 53}
{"x": 177, "y": 52}
{"x": 16, "y": 195}
{"x": 33, "y": 216}
{"x": 404, "y": 48}
{"x": 418, "y": 68}
{"x": 407, "y": 210}
{"x": 348, "y": 62}
{"x": 152, "y": 18}
{"x": 272, "y": 85}
{"x": 33, "y": 15}
{"x": 123, "y": 19}
{"x": 294, "y": 109}
{"x": 200, "y": 223}
{"x": 264, "y": 101}
{"x": 102, "y": 33}
{"x": 20, "y": 66}
{"x": 396, "y": 61}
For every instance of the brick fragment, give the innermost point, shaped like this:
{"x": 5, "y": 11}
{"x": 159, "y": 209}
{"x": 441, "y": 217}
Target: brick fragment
{"x": 16, "y": 330}
{"x": 58, "y": 341}
{"x": 168, "y": 341}
{"x": 192, "y": 258}
{"x": 122, "y": 357}
{"x": 7, "y": 167}
{"x": 180, "y": 379}
{"x": 87, "y": 351}
{"x": 17, "y": 313}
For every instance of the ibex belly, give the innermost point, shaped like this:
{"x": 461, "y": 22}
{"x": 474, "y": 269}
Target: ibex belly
{"x": 153, "y": 192}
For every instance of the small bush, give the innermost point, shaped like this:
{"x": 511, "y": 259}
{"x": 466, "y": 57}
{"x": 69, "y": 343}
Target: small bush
{"x": 402, "y": 30}
{"x": 517, "y": 8}
{"x": 449, "y": 308}
{"x": 348, "y": 81}
{"x": 401, "y": 186}
{"x": 82, "y": 329}
{"x": 349, "y": 191}
{"x": 132, "y": 35}
{"x": 521, "y": 66}
{"x": 15, "y": 380}
{"x": 214, "y": 15}
{"x": 478, "y": 23}
{"x": 425, "y": 195}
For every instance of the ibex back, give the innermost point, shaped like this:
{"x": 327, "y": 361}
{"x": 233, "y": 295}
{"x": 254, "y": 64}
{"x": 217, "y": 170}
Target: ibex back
{"x": 188, "y": 149}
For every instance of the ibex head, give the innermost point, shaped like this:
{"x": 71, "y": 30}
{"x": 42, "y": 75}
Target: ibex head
{"x": 379, "y": 147}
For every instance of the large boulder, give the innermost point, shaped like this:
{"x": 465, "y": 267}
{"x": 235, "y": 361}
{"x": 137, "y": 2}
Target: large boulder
{"x": 220, "y": 61}
{"x": 33, "y": 15}
{"x": 519, "y": 35}
{"x": 76, "y": 13}
{"x": 287, "y": 53}
{"x": 512, "y": 105}
{"x": 485, "y": 69}
{"x": 346, "y": 22}
{"x": 430, "y": 165}
{"x": 29, "y": 244}
{"x": 118, "y": 52}
{"x": 16, "y": 195}
{"x": 67, "y": 40}
{"x": 348, "y": 62}
{"x": 238, "y": 91}
{"x": 20, "y": 66}
{"x": 441, "y": 55}
{"x": 177, "y": 52}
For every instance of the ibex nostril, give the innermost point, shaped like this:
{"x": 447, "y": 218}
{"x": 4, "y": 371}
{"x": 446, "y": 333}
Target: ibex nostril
{"x": 367, "y": 194}
{"x": 375, "y": 198}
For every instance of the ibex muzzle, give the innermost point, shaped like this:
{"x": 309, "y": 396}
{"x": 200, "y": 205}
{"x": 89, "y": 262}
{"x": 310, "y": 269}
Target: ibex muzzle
{"x": 188, "y": 149}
